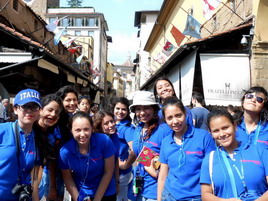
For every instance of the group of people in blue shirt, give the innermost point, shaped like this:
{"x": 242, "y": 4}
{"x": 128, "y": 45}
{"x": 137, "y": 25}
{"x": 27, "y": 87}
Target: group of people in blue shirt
{"x": 56, "y": 144}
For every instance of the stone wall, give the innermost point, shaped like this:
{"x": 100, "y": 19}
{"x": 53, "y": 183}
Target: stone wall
{"x": 259, "y": 64}
{"x": 225, "y": 18}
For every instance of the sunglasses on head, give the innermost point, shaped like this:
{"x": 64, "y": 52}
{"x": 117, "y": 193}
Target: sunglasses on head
{"x": 258, "y": 98}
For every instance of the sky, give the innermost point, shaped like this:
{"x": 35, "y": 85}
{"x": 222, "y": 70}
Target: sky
{"x": 119, "y": 15}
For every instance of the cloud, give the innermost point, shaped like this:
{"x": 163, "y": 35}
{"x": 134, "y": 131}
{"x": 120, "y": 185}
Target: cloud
{"x": 121, "y": 47}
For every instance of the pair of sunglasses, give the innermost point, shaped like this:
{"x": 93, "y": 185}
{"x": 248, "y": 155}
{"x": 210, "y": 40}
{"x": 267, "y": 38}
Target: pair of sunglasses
{"x": 258, "y": 98}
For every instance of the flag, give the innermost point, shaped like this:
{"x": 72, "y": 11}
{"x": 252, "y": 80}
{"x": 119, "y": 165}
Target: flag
{"x": 192, "y": 27}
{"x": 79, "y": 59}
{"x": 67, "y": 41}
{"x": 52, "y": 26}
{"x": 168, "y": 48}
{"x": 74, "y": 49}
{"x": 177, "y": 35}
{"x": 58, "y": 36}
{"x": 209, "y": 6}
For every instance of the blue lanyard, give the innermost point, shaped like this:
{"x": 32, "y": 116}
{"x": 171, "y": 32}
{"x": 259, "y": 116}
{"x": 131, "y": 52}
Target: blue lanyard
{"x": 230, "y": 173}
{"x": 257, "y": 133}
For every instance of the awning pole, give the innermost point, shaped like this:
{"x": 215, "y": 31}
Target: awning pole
{"x": 17, "y": 64}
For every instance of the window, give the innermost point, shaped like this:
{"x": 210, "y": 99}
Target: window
{"x": 91, "y": 22}
{"x": 16, "y": 5}
{"x": 78, "y": 22}
{"x": 65, "y": 22}
{"x": 91, "y": 33}
{"x": 77, "y": 33}
{"x": 51, "y": 19}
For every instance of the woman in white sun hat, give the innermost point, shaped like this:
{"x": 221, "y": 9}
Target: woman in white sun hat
{"x": 148, "y": 133}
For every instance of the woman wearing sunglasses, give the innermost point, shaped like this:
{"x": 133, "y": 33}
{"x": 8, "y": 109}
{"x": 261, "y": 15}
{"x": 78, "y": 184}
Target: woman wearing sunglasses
{"x": 181, "y": 155}
{"x": 252, "y": 125}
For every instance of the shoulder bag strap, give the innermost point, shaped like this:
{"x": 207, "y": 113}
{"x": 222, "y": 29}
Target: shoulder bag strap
{"x": 211, "y": 157}
{"x": 18, "y": 148}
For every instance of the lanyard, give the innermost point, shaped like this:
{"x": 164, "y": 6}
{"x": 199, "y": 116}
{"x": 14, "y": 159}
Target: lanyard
{"x": 230, "y": 173}
{"x": 257, "y": 133}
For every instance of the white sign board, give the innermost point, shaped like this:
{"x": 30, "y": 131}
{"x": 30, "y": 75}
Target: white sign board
{"x": 225, "y": 76}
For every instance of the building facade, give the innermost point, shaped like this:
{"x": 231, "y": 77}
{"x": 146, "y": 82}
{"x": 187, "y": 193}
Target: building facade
{"x": 229, "y": 57}
{"x": 144, "y": 21}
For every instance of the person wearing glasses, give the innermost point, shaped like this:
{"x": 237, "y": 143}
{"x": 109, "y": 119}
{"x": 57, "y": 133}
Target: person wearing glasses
{"x": 19, "y": 160}
{"x": 252, "y": 125}
{"x": 234, "y": 171}
{"x": 181, "y": 155}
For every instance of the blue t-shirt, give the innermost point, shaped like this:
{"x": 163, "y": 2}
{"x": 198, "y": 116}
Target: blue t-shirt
{"x": 200, "y": 115}
{"x": 249, "y": 159}
{"x": 184, "y": 162}
{"x": 125, "y": 132}
{"x": 115, "y": 140}
{"x": 243, "y": 136}
{"x": 88, "y": 170}
{"x": 9, "y": 169}
{"x": 154, "y": 142}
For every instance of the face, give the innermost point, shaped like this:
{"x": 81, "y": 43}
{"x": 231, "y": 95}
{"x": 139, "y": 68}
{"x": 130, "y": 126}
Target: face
{"x": 176, "y": 119}
{"x": 254, "y": 102}
{"x": 70, "y": 102}
{"x": 84, "y": 105}
{"x": 108, "y": 125}
{"x": 81, "y": 130}
{"x": 120, "y": 111}
{"x": 144, "y": 113}
{"x": 28, "y": 113}
{"x": 223, "y": 131}
{"x": 164, "y": 89}
{"x": 49, "y": 115}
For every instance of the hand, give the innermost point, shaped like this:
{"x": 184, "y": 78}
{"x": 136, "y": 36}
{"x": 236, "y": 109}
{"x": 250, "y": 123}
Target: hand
{"x": 234, "y": 199}
{"x": 151, "y": 170}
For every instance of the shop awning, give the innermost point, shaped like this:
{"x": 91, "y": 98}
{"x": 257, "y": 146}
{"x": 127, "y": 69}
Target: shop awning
{"x": 15, "y": 57}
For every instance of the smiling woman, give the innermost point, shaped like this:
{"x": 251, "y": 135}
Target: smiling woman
{"x": 87, "y": 162}
{"x": 181, "y": 155}
{"x": 227, "y": 173}
{"x": 253, "y": 126}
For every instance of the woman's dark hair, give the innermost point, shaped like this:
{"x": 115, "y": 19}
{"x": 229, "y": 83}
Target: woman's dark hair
{"x": 157, "y": 98}
{"x": 79, "y": 114}
{"x": 219, "y": 112}
{"x": 63, "y": 91}
{"x": 64, "y": 117}
{"x": 49, "y": 98}
{"x": 47, "y": 152}
{"x": 153, "y": 123}
{"x": 173, "y": 101}
{"x": 264, "y": 112}
{"x": 123, "y": 101}
{"x": 97, "y": 120}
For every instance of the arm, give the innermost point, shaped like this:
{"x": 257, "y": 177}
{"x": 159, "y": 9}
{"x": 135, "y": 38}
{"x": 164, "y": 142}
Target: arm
{"x": 116, "y": 175}
{"x": 161, "y": 180}
{"x": 106, "y": 178}
{"x": 36, "y": 171}
{"x": 123, "y": 165}
{"x": 264, "y": 197}
{"x": 207, "y": 194}
{"x": 52, "y": 187}
{"x": 69, "y": 182}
